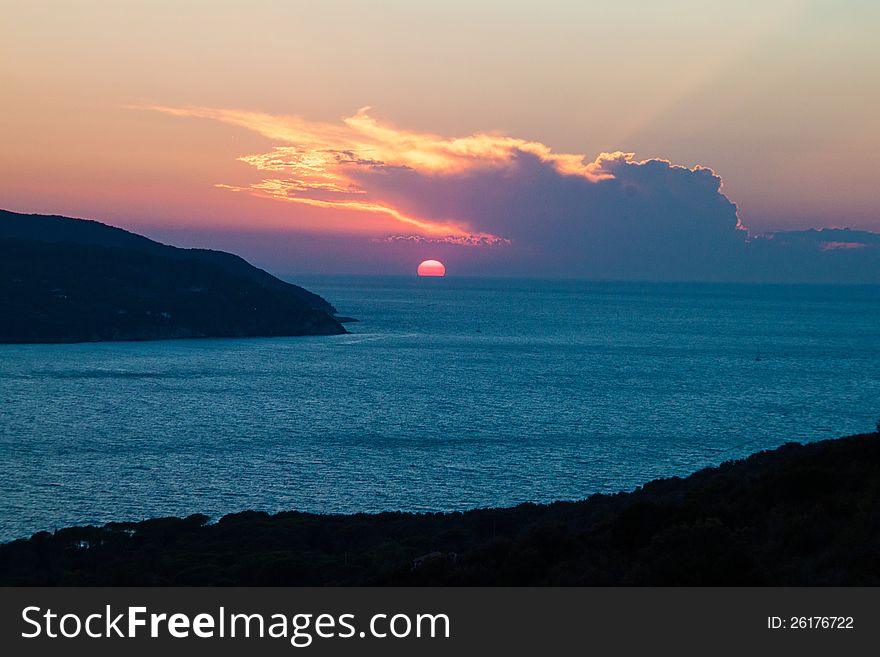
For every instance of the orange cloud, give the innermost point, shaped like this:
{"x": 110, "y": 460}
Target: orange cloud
{"x": 318, "y": 159}
{"x": 283, "y": 190}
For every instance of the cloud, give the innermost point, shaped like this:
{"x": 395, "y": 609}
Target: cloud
{"x": 628, "y": 219}
{"x": 466, "y": 240}
{"x": 319, "y": 163}
{"x": 540, "y": 212}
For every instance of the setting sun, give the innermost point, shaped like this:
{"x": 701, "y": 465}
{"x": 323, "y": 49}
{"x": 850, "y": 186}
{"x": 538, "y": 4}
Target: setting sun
{"x": 432, "y": 268}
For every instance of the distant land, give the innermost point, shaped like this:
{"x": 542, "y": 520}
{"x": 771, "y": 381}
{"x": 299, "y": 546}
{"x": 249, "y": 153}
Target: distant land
{"x": 798, "y": 515}
{"x": 75, "y": 280}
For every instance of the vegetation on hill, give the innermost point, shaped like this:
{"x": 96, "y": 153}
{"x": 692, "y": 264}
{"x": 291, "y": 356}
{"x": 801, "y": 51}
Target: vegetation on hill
{"x": 798, "y": 515}
{"x": 71, "y": 280}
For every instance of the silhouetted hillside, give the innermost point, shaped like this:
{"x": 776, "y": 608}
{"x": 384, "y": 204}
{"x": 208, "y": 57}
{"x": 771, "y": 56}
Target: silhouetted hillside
{"x": 72, "y": 280}
{"x": 798, "y": 515}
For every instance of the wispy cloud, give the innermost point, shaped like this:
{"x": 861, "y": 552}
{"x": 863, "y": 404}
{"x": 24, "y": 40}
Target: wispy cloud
{"x": 518, "y": 206}
{"x": 564, "y": 214}
{"x": 322, "y": 164}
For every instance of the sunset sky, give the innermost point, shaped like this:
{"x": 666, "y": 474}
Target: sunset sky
{"x": 379, "y": 134}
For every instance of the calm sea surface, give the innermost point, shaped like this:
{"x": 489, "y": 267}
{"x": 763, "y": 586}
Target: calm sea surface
{"x": 449, "y": 394}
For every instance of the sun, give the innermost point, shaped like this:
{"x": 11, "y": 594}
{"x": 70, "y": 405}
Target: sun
{"x": 432, "y": 268}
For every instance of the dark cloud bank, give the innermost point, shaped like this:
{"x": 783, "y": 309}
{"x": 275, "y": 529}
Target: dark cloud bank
{"x": 652, "y": 221}
{"x": 647, "y": 220}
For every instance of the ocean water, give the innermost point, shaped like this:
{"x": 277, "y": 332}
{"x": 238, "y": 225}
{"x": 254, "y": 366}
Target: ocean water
{"x": 449, "y": 394}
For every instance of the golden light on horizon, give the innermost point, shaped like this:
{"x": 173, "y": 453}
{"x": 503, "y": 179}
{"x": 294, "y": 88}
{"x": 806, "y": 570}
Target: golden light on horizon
{"x": 431, "y": 268}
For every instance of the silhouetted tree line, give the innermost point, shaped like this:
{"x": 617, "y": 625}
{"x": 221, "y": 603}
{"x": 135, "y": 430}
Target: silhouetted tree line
{"x": 797, "y": 515}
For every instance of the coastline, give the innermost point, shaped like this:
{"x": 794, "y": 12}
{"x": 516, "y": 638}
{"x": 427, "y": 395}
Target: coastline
{"x": 801, "y": 514}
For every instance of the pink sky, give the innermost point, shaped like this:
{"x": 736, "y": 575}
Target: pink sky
{"x": 228, "y": 123}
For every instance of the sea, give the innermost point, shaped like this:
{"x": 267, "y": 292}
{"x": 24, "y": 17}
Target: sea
{"x": 448, "y": 394}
